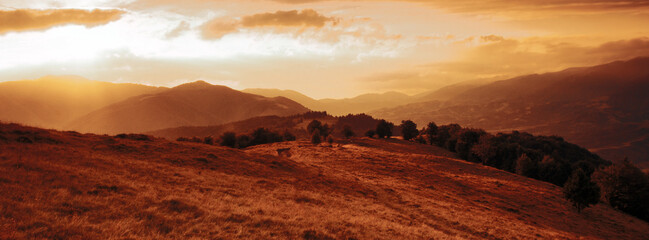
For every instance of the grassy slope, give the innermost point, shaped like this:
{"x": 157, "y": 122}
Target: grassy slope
{"x": 66, "y": 185}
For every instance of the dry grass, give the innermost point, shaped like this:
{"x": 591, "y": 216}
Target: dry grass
{"x": 73, "y": 186}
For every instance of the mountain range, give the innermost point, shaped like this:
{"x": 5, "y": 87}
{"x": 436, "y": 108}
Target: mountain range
{"x": 604, "y": 108}
{"x": 75, "y": 103}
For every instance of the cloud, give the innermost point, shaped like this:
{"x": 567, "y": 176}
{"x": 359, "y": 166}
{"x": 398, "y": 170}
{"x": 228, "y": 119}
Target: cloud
{"x": 30, "y": 19}
{"x": 219, "y": 27}
{"x": 182, "y": 27}
{"x": 506, "y": 5}
{"x": 307, "y": 18}
{"x": 304, "y": 18}
{"x": 491, "y": 38}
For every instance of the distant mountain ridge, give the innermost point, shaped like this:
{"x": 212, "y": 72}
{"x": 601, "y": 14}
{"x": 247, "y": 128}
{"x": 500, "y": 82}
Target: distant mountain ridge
{"x": 338, "y": 107}
{"x": 192, "y": 104}
{"x": 54, "y": 101}
{"x": 604, "y": 108}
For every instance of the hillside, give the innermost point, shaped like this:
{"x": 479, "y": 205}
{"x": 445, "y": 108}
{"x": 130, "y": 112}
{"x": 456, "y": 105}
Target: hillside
{"x": 192, "y": 104}
{"x": 53, "y": 101}
{"x": 604, "y": 108}
{"x": 296, "y": 124}
{"x": 69, "y": 185}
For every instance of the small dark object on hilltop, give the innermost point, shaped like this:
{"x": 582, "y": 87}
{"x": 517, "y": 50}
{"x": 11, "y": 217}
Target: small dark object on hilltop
{"x": 136, "y": 137}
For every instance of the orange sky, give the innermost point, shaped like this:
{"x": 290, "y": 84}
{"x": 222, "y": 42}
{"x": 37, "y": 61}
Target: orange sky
{"x": 321, "y": 48}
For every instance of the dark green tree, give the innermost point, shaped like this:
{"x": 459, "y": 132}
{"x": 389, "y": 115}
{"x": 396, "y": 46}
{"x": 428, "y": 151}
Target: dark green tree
{"x": 313, "y": 125}
{"x": 431, "y": 132}
{"x": 408, "y": 129}
{"x": 316, "y": 138}
{"x": 580, "y": 190}
{"x": 526, "y": 166}
{"x": 384, "y": 129}
{"x": 625, "y": 187}
{"x": 228, "y": 139}
{"x": 348, "y": 132}
{"x": 370, "y": 133}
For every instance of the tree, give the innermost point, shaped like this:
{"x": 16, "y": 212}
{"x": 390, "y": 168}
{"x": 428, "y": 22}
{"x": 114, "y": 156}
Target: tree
{"x": 409, "y": 129}
{"x": 208, "y": 140}
{"x": 330, "y": 139}
{"x": 370, "y": 133}
{"x": 315, "y": 137}
{"x": 384, "y": 129}
{"x": 229, "y": 139}
{"x": 431, "y": 131}
{"x": 288, "y": 136}
{"x": 347, "y": 132}
{"x": 625, "y": 187}
{"x": 243, "y": 141}
{"x": 526, "y": 166}
{"x": 581, "y": 191}
{"x": 313, "y": 125}
{"x": 317, "y": 125}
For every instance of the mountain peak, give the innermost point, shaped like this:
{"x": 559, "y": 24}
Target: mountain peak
{"x": 195, "y": 84}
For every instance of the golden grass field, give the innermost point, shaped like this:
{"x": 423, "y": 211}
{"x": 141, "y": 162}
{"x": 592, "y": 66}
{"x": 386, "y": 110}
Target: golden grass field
{"x": 65, "y": 185}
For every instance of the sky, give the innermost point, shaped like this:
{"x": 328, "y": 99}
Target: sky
{"x": 324, "y": 49}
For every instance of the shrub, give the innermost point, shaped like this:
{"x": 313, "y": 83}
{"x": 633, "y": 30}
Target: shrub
{"x": 229, "y": 139}
{"x": 347, "y": 132}
{"x": 370, "y": 133}
{"x": 384, "y": 129}
{"x": 420, "y": 139}
{"x": 136, "y": 137}
{"x": 330, "y": 139}
{"x": 409, "y": 129}
{"x": 315, "y": 137}
{"x": 288, "y": 136}
{"x": 208, "y": 140}
{"x": 263, "y": 136}
{"x": 243, "y": 141}
{"x": 625, "y": 187}
{"x": 581, "y": 191}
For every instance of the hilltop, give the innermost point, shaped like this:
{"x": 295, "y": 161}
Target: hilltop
{"x": 192, "y": 104}
{"x": 84, "y": 186}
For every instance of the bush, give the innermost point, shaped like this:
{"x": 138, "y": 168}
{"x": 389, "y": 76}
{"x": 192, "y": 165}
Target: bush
{"x": 229, "y": 139}
{"x": 208, "y": 140}
{"x": 409, "y": 129}
{"x": 347, "y": 132}
{"x": 384, "y": 129}
{"x": 288, "y": 136}
{"x": 243, "y": 141}
{"x": 581, "y": 191}
{"x": 315, "y": 137}
{"x": 625, "y": 187}
{"x": 370, "y": 133}
{"x": 263, "y": 136}
{"x": 136, "y": 137}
